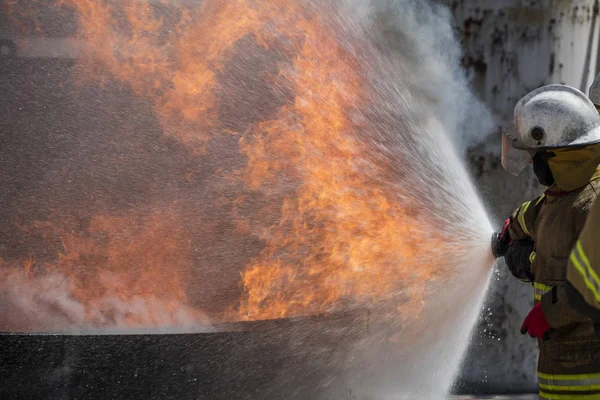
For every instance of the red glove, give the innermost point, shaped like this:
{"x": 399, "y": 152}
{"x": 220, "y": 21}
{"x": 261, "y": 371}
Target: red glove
{"x": 535, "y": 323}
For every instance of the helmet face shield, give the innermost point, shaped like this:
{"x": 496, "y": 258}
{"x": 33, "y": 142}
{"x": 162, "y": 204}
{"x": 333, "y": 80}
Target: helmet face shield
{"x": 513, "y": 160}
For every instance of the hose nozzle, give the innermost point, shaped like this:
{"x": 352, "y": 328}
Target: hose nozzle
{"x": 500, "y": 243}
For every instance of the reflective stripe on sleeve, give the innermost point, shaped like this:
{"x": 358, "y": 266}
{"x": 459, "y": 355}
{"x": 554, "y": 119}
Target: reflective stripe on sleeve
{"x": 582, "y": 265}
{"x": 539, "y": 290}
{"x": 521, "y": 217}
{"x": 540, "y": 199}
{"x": 532, "y": 257}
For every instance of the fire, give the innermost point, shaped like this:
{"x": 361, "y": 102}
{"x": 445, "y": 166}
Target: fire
{"x": 340, "y": 238}
{"x": 113, "y": 269}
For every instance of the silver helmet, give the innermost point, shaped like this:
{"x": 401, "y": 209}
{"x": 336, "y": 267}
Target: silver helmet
{"x": 550, "y": 117}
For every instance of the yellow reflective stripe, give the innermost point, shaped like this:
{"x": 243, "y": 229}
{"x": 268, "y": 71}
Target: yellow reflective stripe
{"x": 540, "y": 200}
{"x": 541, "y": 286}
{"x": 586, "y": 278}
{"x": 567, "y": 377}
{"x": 539, "y": 289}
{"x": 532, "y": 257}
{"x": 521, "y": 217}
{"x": 553, "y": 396}
{"x": 585, "y": 259}
{"x": 582, "y": 271}
{"x": 572, "y": 388}
{"x": 565, "y": 383}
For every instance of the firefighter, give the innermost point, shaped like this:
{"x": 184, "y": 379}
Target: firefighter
{"x": 583, "y": 272}
{"x": 557, "y": 129}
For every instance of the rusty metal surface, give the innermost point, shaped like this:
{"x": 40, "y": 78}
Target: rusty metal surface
{"x": 512, "y": 47}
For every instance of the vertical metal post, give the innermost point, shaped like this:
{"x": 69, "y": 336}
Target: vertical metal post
{"x": 588, "y": 56}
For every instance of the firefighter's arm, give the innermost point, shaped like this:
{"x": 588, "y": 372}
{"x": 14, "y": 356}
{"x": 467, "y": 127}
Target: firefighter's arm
{"x": 515, "y": 231}
{"x": 520, "y": 252}
{"x": 555, "y": 304}
{"x": 522, "y": 220}
{"x": 583, "y": 271}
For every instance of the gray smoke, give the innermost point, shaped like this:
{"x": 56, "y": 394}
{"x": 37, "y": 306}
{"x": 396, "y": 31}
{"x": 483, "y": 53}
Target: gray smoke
{"x": 424, "y": 30}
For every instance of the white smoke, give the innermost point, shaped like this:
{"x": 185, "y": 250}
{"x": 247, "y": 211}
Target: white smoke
{"x": 424, "y": 31}
{"x": 46, "y": 304}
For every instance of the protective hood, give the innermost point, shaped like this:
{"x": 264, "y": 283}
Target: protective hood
{"x": 573, "y": 168}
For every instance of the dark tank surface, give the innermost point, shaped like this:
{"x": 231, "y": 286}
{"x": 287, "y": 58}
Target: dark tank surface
{"x": 291, "y": 359}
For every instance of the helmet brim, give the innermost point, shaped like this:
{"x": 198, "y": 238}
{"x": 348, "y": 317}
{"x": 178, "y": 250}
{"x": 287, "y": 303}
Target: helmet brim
{"x": 592, "y": 137}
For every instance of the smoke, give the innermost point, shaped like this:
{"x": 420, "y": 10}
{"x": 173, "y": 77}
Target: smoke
{"x": 114, "y": 273}
{"x": 46, "y": 304}
{"x": 306, "y": 147}
{"x": 423, "y": 32}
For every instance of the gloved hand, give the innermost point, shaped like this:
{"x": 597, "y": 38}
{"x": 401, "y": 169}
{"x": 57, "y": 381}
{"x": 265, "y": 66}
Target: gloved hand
{"x": 535, "y": 323}
{"x": 501, "y": 241}
{"x": 517, "y": 259}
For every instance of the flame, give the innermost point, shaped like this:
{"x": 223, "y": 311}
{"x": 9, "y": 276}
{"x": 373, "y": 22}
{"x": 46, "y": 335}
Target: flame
{"x": 340, "y": 237}
{"x": 123, "y": 271}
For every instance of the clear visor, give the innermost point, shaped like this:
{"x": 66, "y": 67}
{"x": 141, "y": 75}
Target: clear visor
{"x": 513, "y": 160}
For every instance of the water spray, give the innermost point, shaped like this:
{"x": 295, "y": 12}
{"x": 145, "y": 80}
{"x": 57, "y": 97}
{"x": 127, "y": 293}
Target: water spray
{"x": 313, "y": 166}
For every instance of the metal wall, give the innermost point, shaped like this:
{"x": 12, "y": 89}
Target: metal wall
{"x": 511, "y": 47}
{"x": 514, "y": 46}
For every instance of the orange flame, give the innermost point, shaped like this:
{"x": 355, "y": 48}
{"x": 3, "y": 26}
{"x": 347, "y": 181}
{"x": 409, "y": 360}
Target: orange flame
{"x": 115, "y": 267}
{"x": 341, "y": 240}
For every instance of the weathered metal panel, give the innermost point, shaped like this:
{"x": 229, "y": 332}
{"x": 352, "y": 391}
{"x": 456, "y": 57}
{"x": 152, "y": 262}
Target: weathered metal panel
{"x": 511, "y": 47}
{"x": 514, "y": 46}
